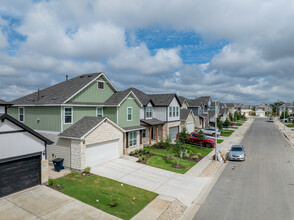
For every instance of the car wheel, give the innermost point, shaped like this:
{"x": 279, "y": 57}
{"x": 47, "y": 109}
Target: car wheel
{"x": 213, "y": 134}
{"x": 208, "y": 145}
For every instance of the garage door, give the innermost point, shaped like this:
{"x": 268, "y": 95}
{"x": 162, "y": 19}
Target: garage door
{"x": 101, "y": 153}
{"x": 173, "y": 132}
{"x": 20, "y": 174}
{"x": 190, "y": 127}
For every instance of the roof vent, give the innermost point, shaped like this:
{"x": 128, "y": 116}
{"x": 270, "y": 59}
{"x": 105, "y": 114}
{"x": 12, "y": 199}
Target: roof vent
{"x": 54, "y": 98}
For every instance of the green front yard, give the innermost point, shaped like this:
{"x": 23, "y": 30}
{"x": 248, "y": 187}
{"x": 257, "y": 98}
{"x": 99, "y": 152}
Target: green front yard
{"x": 290, "y": 125}
{"x": 232, "y": 127}
{"x": 219, "y": 141}
{"x": 226, "y": 133}
{"x": 101, "y": 192}
{"x": 159, "y": 158}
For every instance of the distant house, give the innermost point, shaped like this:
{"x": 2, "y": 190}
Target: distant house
{"x": 289, "y": 107}
{"x": 263, "y": 110}
{"x": 223, "y": 112}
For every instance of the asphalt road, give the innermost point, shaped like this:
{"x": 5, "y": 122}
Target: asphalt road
{"x": 261, "y": 187}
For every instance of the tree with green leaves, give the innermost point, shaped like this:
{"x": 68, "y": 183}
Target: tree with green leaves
{"x": 286, "y": 114}
{"x": 231, "y": 117}
{"x": 219, "y": 123}
{"x": 177, "y": 149}
{"x": 201, "y": 138}
{"x": 183, "y": 136}
{"x": 226, "y": 123}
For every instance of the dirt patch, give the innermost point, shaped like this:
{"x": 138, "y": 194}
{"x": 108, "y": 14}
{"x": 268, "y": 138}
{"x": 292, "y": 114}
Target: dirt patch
{"x": 178, "y": 166}
{"x": 56, "y": 187}
{"x": 167, "y": 158}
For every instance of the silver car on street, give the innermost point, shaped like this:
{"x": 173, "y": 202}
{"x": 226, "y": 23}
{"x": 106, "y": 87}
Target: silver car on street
{"x": 237, "y": 152}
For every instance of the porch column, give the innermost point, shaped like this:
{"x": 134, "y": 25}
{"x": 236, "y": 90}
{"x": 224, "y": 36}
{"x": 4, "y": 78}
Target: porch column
{"x": 141, "y": 132}
{"x": 127, "y": 139}
{"x": 162, "y": 132}
{"x": 156, "y": 133}
{"x": 150, "y": 128}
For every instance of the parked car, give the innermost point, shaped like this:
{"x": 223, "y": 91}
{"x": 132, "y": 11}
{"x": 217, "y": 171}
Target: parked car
{"x": 207, "y": 142}
{"x": 270, "y": 119}
{"x": 211, "y": 131}
{"x": 232, "y": 123}
{"x": 236, "y": 152}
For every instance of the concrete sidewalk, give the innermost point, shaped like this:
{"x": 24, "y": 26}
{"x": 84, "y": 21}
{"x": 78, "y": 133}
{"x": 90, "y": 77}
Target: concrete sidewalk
{"x": 287, "y": 132}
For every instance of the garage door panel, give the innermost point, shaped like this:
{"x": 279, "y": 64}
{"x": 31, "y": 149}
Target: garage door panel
{"x": 101, "y": 153}
{"x": 19, "y": 174}
{"x": 173, "y": 131}
{"x": 190, "y": 127}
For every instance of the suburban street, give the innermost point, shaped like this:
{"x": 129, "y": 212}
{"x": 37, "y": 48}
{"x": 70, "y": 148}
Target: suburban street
{"x": 261, "y": 187}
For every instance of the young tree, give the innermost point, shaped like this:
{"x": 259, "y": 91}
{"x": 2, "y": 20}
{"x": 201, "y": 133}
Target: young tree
{"x": 177, "y": 149}
{"x": 201, "y": 138}
{"x": 226, "y": 123}
{"x": 183, "y": 136}
{"x": 219, "y": 123}
{"x": 231, "y": 117}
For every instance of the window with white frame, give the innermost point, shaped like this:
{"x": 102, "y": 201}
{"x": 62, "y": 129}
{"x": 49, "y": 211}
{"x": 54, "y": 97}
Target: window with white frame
{"x": 174, "y": 111}
{"x": 177, "y": 111}
{"x": 100, "y": 112}
{"x": 170, "y": 111}
{"x": 100, "y": 85}
{"x": 148, "y": 112}
{"x": 129, "y": 112}
{"x": 21, "y": 114}
{"x": 132, "y": 138}
{"x": 67, "y": 115}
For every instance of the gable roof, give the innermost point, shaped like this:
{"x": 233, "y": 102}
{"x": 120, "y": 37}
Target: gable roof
{"x": 24, "y": 127}
{"x": 118, "y": 97}
{"x": 195, "y": 102}
{"x": 61, "y": 92}
{"x": 182, "y": 99}
{"x": 160, "y": 100}
{"x": 184, "y": 113}
{"x": 84, "y": 127}
{"x": 4, "y": 103}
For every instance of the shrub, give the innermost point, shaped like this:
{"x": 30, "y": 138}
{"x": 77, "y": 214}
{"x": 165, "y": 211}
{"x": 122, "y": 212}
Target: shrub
{"x": 195, "y": 157}
{"x": 50, "y": 182}
{"x": 132, "y": 153}
{"x": 87, "y": 170}
{"x": 186, "y": 155}
{"x": 168, "y": 141}
{"x": 199, "y": 154}
{"x": 113, "y": 200}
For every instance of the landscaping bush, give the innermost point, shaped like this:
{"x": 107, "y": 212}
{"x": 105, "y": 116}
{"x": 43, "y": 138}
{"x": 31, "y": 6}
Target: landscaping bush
{"x": 87, "y": 170}
{"x": 186, "y": 155}
{"x": 183, "y": 136}
{"x": 195, "y": 157}
{"x": 50, "y": 182}
{"x": 113, "y": 200}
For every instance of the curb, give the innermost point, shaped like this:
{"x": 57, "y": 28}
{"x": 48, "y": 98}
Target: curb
{"x": 284, "y": 135}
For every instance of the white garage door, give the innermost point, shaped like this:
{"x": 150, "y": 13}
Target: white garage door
{"x": 173, "y": 132}
{"x": 101, "y": 153}
{"x": 190, "y": 127}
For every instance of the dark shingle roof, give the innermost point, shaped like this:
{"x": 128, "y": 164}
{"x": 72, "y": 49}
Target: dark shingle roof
{"x": 194, "y": 102}
{"x": 2, "y": 102}
{"x": 24, "y": 127}
{"x": 152, "y": 121}
{"x": 82, "y": 127}
{"x": 157, "y": 99}
{"x": 211, "y": 113}
{"x": 184, "y": 114}
{"x": 59, "y": 93}
{"x": 134, "y": 128}
{"x": 230, "y": 105}
{"x": 116, "y": 98}
{"x": 182, "y": 99}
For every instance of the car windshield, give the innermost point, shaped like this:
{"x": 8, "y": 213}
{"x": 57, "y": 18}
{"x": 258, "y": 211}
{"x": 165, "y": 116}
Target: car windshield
{"x": 237, "y": 149}
{"x": 205, "y": 136}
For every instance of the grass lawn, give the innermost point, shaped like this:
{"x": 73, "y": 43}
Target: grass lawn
{"x": 159, "y": 162}
{"x": 226, "y": 133}
{"x": 290, "y": 125}
{"x": 238, "y": 123}
{"x": 292, "y": 129}
{"x": 232, "y": 127}
{"x": 219, "y": 141}
{"x": 88, "y": 189}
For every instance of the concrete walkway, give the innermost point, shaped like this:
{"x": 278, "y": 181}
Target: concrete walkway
{"x": 182, "y": 187}
{"x": 41, "y": 202}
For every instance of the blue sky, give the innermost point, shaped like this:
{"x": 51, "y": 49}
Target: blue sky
{"x": 240, "y": 51}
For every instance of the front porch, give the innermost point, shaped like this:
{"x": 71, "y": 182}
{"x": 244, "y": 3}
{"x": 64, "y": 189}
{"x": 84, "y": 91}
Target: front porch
{"x": 153, "y": 131}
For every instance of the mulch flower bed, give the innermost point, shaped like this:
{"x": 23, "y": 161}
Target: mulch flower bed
{"x": 178, "y": 166}
{"x": 86, "y": 174}
{"x": 191, "y": 158}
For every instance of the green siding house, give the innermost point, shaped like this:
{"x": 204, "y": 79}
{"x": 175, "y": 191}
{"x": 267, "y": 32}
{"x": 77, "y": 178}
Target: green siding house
{"x": 55, "y": 109}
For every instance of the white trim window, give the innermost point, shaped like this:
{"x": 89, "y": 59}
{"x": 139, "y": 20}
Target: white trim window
{"x": 174, "y": 111}
{"x": 100, "y": 85}
{"x": 21, "y": 114}
{"x": 129, "y": 113}
{"x": 148, "y": 112}
{"x": 68, "y": 115}
{"x": 177, "y": 111}
{"x": 132, "y": 138}
{"x": 170, "y": 111}
{"x": 99, "y": 112}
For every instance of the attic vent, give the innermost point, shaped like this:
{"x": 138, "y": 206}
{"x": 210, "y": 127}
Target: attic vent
{"x": 54, "y": 98}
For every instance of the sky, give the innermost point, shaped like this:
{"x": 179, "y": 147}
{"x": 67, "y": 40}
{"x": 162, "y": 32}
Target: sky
{"x": 234, "y": 51}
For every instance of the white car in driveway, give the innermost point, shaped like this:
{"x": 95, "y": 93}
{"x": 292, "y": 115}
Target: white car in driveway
{"x": 211, "y": 131}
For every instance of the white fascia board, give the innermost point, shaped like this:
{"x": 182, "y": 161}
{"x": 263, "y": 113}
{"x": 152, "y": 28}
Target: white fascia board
{"x": 103, "y": 74}
{"x": 70, "y": 138}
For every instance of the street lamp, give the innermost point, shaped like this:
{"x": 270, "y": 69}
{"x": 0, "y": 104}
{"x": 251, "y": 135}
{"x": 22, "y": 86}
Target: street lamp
{"x": 284, "y": 115}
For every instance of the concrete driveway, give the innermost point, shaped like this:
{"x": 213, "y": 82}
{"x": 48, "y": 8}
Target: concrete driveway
{"x": 41, "y": 202}
{"x": 185, "y": 188}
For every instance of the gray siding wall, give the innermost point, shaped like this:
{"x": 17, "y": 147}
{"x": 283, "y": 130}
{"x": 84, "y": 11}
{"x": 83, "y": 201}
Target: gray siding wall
{"x": 60, "y": 149}
{"x": 160, "y": 113}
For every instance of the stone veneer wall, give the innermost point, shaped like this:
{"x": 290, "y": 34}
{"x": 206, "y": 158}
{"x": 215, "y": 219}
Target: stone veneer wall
{"x": 44, "y": 171}
{"x": 169, "y": 125}
{"x": 78, "y": 155}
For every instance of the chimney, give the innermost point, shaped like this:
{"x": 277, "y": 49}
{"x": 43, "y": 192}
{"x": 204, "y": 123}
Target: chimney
{"x": 38, "y": 94}
{"x": 66, "y": 77}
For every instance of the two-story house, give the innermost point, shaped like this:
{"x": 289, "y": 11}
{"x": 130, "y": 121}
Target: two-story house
{"x": 289, "y": 107}
{"x": 223, "y": 112}
{"x": 159, "y": 114}
{"x": 88, "y": 119}
{"x": 263, "y": 110}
